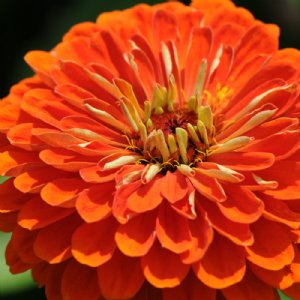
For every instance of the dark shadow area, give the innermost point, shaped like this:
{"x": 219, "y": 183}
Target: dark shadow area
{"x": 34, "y": 294}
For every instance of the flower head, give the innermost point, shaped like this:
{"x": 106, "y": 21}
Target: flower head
{"x": 155, "y": 155}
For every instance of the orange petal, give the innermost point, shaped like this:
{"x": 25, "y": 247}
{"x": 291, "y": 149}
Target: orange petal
{"x": 241, "y": 205}
{"x": 288, "y": 188}
{"x": 280, "y": 279}
{"x": 94, "y": 175}
{"x": 190, "y": 289}
{"x": 120, "y": 209}
{"x": 288, "y": 140}
{"x": 79, "y": 282}
{"x": 164, "y": 27}
{"x": 238, "y": 233}
{"x": 148, "y": 292}
{"x": 84, "y": 122}
{"x": 293, "y": 291}
{"x": 93, "y": 244}
{"x": 94, "y": 204}
{"x": 62, "y": 191}
{"x": 244, "y": 161}
{"x": 73, "y": 94}
{"x": 136, "y": 237}
{"x": 223, "y": 264}
{"x": 162, "y": 268}
{"x": 10, "y": 198}
{"x": 201, "y": 42}
{"x": 173, "y": 230}
{"x": 39, "y": 273}
{"x": 202, "y": 236}
{"x": 272, "y": 248}
{"x": 22, "y": 241}
{"x": 8, "y": 221}
{"x": 64, "y": 159}
{"x": 21, "y": 136}
{"x": 279, "y": 211}
{"x": 176, "y": 186}
{"x": 121, "y": 277}
{"x": 53, "y": 243}
{"x": 261, "y": 38}
{"x": 249, "y": 288}
{"x": 211, "y": 6}
{"x": 16, "y": 265}
{"x": 37, "y": 214}
{"x": 44, "y": 105}
{"x": 147, "y": 196}
{"x": 40, "y": 61}
{"x": 53, "y": 281}
{"x": 237, "y": 16}
{"x": 208, "y": 187}
{"x": 32, "y": 181}
{"x": 15, "y": 162}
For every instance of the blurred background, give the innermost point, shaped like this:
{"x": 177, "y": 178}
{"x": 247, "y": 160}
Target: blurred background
{"x": 40, "y": 24}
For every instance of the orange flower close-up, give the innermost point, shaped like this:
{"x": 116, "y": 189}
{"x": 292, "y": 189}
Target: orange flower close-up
{"x": 154, "y": 154}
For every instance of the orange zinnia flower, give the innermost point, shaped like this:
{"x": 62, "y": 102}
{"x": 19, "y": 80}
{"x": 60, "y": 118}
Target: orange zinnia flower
{"x": 155, "y": 155}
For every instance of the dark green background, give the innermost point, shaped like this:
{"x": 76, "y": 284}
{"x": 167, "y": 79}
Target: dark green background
{"x": 39, "y": 24}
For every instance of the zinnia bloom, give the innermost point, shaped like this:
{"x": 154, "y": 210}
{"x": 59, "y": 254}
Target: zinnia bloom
{"x": 155, "y": 155}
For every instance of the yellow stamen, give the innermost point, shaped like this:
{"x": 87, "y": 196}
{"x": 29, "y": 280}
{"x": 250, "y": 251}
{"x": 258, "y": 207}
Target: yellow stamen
{"x": 172, "y": 93}
{"x": 158, "y": 100}
{"x": 182, "y": 139}
{"x": 172, "y": 144}
{"x": 231, "y": 145}
{"x": 166, "y": 56}
{"x": 161, "y": 145}
{"x": 149, "y": 123}
{"x": 203, "y": 132}
{"x": 143, "y": 131}
{"x": 129, "y": 116}
{"x": 147, "y": 111}
{"x": 186, "y": 170}
{"x": 106, "y": 117}
{"x": 192, "y": 104}
{"x": 193, "y": 133}
{"x": 205, "y": 115}
{"x": 150, "y": 172}
{"x": 200, "y": 82}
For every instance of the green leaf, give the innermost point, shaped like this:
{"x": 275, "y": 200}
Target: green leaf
{"x": 3, "y": 179}
{"x": 11, "y": 284}
{"x": 283, "y": 296}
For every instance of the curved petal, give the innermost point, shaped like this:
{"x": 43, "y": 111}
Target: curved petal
{"x": 173, "y": 230}
{"x": 147, "y": 196}
{"x": 272, "y": 248}
{"x": 62, "y": 191}
{"x": 79, "y": 282}
{"x": 37, "y": 214}
{"x": 241, "y": 205}
{"x": 223, "y": 265}
{"x": 175, "y": 186}
{"x": 238, "y": 233}
{"x": 93, "y": 244}
{"x": 208, "y": 187}
{"x": 190, "y": 289}
{"x": 202, "y": 236}
{"x": 136, "y": 237}
{"x": 249, "y": 288}
{"x": 280, "y": 279}
{"x": 121, "y": 277}
{"x": 94, "y": 204}
{"x": 162, "y": 268}
{"x": 53, "y": 243}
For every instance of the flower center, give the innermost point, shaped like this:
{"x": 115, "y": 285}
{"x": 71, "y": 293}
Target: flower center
{"x": 171, "y": 134}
